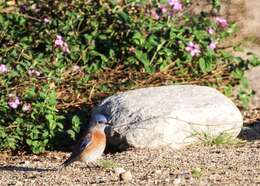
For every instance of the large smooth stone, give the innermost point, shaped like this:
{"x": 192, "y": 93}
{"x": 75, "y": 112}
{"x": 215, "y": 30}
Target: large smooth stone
{"x": 172, "y": 116}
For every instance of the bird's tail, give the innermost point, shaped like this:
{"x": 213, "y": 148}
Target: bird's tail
{"x": 70, "y": 160}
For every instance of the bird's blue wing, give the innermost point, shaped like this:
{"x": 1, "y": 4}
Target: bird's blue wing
{"x": 85, "y": 142}
{"x": 81, "y": 146}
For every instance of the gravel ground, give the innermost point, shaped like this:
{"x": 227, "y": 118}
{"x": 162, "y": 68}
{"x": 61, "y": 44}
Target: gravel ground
{"x": 194, "y": 165}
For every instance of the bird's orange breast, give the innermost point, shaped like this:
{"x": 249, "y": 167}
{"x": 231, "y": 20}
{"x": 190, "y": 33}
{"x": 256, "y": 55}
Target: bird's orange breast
{"x": 99, "y": 137}
{"x": 97, "y": 146}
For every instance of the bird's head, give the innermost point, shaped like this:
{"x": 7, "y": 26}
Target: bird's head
{"x": 100, "y": 121}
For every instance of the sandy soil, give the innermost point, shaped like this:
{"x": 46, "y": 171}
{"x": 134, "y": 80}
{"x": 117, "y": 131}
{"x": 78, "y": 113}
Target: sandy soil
{"x": 195, "y": 165}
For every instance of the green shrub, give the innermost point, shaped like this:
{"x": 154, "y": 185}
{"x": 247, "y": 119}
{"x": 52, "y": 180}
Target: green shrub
{"x": 58, "y": 56}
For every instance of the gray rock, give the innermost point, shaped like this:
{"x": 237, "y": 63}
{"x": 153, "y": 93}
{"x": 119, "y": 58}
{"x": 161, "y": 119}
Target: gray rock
{"x": 170, "y": 116}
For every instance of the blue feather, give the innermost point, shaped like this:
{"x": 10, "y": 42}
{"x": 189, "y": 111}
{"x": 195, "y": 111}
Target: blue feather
{"x": 85, "y": 142}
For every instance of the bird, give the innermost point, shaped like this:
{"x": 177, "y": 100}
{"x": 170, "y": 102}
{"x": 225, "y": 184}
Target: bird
{"x": 93, "y": 143}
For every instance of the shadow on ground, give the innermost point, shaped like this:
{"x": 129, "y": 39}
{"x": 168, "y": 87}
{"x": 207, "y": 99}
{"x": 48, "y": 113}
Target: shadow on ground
{"x": 25, "y": 169}
{"x": 250, "y": 131}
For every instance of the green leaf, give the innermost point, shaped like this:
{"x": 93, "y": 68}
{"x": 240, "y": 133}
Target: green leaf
{"x": 237, "y": 74}
{"x": 71, "y": 134}
{"x": 138, "y": 39}
{"x": 30, "y": 93}
{"x": 205, "y": 65}
{"x": 124, "y": 16}
{"x": 29, "y": 142}
{"x": 228, "y": 90}
{"x": 76, "y": 123}
{"x": 51, "y": 122}
{"x": 255, "y": 61}
{"x": 200, "y": 35}
{"x": 2, "y": 132}
{"x": 51, "y": 99}
{"x": 142, "y": 57}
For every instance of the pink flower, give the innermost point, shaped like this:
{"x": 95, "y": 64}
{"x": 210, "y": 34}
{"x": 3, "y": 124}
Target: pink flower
{"x": 154, "y": 14}
{"x": 193, "y": 49}
{"x": 213, "y": 45}
{"x": 34, "y": 72}
{"x": 65, "y": 48}
{"x": 3, "y": 69}
{"x": 172, "y": 2}
{"x": 163, "y": 9}
{"x": 222, "y": 22}
{"x": 177, "y": 6}
{"x": 59, "y": 37}
{"x": 59, "y": 43}
{"x": 210, "y": 31}
{"x": 13, "y": 101}
{"x": 27, "y": 107}
{"x": 46, "y": 20}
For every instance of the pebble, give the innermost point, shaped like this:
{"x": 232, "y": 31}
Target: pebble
{"x": 119, "y": 170}
{"x": 18, "y": 183}
{"x": 126, "y": 176}
{"x": 177, "y": 181}
{"x": 25, "y": 162}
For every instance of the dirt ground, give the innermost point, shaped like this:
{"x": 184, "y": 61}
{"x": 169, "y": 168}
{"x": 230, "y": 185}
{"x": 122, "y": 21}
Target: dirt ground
{"x": 194, "y": 165}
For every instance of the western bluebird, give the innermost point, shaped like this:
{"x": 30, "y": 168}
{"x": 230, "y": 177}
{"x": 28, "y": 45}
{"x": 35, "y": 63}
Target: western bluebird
{"x": 93, "y": 144}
